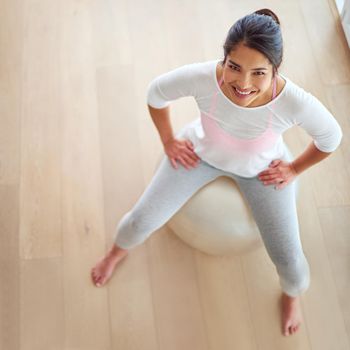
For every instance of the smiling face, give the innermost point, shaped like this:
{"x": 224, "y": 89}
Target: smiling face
{"x": 247, "y": 76}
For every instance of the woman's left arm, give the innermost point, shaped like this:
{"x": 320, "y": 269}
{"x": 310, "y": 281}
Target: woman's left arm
{"x": 309, "y": 157}
{"x": 326, "y": 133}
{"x": 281, "y": 173}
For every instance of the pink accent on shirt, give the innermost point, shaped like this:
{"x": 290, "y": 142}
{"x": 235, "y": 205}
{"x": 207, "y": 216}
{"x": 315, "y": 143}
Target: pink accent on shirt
{"x": 228, "y": 142}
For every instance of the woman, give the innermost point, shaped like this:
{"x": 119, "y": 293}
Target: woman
{"x": 245, "y": 107}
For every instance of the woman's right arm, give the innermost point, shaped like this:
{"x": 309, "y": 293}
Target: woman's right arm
{"x": 161, "y": 120}
{"x": 162, "y": 90}
{"x": 181, "y": 150}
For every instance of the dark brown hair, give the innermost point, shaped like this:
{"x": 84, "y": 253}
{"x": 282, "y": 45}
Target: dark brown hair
{"x": 260, "y": 31}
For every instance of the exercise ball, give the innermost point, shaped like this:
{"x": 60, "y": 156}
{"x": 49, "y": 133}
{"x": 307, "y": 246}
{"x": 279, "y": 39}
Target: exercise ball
{"x": 217, "y": 220}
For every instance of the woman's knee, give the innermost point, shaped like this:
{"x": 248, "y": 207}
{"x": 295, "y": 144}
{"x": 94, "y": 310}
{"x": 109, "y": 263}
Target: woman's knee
{"x": 137, "y": 223}
{"x": 131, "y": 230}
{"x": 294, "y": 274}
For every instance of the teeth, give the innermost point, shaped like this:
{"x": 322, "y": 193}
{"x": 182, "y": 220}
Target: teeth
{"x": 243, "y": 93}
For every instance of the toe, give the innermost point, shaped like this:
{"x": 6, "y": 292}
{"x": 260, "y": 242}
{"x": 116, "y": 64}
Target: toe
{"x": 98, "y": 278}
{"x": 94, "y": 276}
{"x": 99, "y": 281}
{"x": 288, "y": 330}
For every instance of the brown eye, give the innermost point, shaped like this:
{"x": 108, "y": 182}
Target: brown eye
{"x": 233, "y": 67}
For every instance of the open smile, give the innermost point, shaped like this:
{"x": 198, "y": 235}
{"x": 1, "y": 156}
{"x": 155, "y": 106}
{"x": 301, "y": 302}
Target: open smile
{"x": 242, "y": 94}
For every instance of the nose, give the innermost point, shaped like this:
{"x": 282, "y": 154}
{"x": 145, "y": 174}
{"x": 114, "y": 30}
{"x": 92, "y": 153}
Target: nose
{"x": 244, "y": 82}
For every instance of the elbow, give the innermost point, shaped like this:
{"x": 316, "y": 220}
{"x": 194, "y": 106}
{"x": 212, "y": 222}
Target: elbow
{"x": 154, "y": 98}
{"x": 150, "y": 108}
{"x": 331, "y": 141}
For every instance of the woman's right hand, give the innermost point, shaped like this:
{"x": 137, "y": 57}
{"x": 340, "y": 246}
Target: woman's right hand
{"x": 183, "y": 151}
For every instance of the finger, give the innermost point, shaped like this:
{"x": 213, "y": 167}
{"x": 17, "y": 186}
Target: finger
{"x": 197, "y": 157}
{"x": 275, "y": 163}
{"x": 189, "y": 144}
{"x": 267, "y": 177}
{"x": 270, "y": 171}
{"x": 193, "y": 156}
{"x": 189, "y": 160}
{"x": 270, "y": 178}
{"x": 276, "y": 181}
{"x": 173, "y": 163}
{"x": 191, "y": 150}
{"x": 183, "y": 162}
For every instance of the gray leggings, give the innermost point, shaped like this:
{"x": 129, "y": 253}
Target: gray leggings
{"x": 274, "y": 212}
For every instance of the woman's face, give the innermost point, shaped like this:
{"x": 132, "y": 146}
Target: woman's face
{"x": 247, "y": 76}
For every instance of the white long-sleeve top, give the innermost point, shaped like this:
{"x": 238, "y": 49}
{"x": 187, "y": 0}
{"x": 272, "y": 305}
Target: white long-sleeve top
{"x": 242, "y": 140}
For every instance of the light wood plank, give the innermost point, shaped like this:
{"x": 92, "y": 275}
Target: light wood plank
{"x": 40, "y": 137}
{"x": 11, "y": 46}
{"x": 264, "y": 293}
{"x": 131, "y": 310}
{"x": 179, "y": 32}
{"x": 42, "y": 304}
{"x": 86, "y": 307}
{"x": 335, "y": 223}
{"x": 9, "y": 268}
{"x": 325, "y": 42}
{"x": 146, "y": 30}
{"x": 11, "y": 42}
{"x": 324, "y": 319}
{"x": 40, "y": 220}
{"x": 110, "y": 24}
{"x": 178, "y": 313}
{"x": 226, "y": 309}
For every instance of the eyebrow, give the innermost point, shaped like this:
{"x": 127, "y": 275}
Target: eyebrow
{"x": 236, "y": 64}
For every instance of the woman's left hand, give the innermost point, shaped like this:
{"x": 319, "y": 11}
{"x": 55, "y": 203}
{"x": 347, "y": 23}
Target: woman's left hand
{"x": 279, "y": 173}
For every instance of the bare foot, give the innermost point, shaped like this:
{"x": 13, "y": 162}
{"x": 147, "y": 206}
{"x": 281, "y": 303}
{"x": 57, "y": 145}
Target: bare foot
{"x": 104, "y": 268}
{"x": 291, "y": 314}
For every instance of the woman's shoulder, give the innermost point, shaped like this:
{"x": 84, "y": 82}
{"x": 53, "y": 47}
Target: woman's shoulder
{"x": 296, "y": 91}
{"x": 202, "y": 74}
{"x": 296, "y": 95}
{"x": 299, "y": 102}
{"x": 203, "y": 69}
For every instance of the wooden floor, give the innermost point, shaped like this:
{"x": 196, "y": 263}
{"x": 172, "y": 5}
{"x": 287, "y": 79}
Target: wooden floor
{"x": 78, "y": 147}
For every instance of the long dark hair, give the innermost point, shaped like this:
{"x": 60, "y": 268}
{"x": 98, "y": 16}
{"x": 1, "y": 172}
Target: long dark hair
{"x": 261, "y": 31}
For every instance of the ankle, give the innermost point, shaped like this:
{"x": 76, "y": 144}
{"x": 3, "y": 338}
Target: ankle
{"x": 289, "y": 298}
{"x": 116, "y": 250}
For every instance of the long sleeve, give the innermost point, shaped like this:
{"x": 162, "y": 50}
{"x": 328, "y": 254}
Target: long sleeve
{"x": 172, "y": 85}
{"x": 319, "y": 123}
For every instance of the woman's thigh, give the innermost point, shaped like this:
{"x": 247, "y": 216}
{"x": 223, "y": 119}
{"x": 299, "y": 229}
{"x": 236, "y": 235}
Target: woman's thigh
{"x": 276, "y": 216}
{"x": 168, "y": 191}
